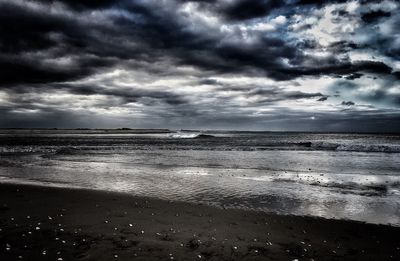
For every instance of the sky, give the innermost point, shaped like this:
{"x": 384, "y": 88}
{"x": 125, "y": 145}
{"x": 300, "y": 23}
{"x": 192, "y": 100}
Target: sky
{"x": 275, "y": 65}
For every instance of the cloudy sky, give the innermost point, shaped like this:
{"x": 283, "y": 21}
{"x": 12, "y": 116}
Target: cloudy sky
{"x": 308, "y": 65}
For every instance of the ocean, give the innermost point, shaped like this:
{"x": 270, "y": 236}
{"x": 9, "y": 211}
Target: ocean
{"x": 331, "y": 175}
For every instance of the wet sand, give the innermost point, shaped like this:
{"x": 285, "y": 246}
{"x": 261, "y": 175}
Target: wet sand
{"x": 39, "y": 223}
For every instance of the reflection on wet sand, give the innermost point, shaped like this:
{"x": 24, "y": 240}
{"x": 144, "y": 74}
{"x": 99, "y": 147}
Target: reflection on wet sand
{"x": 286, "y": 182}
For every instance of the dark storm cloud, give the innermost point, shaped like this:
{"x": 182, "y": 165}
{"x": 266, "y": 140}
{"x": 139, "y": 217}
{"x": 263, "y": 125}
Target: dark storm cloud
{"x": 348, "y": 103}
{"x": 25, "y": 33}
{"x": 20, "y": 70}
{"x": 155, "y": 33}
{"x": 85, "y": 4}
{"x": 374, "y": 16}
{"x": 128, "y": 95}
{"x": 124, "y": 94}
{"x": 249, "y": 9}
{"x": 319, "y": 2}
{"x": 354, "y": 76}
{"x": 209, "y": 82}
{"x": 343, "y": 46}
{"x": 278, "y": 94}
{"x": 245, "y": 9}
{"x": 383, "y": 42}
{"x": 342, "y": 69}
{"x": 56, "y": 46}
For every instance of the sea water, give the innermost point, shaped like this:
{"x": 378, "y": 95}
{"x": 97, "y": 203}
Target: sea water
{"x": 331, "y": 175}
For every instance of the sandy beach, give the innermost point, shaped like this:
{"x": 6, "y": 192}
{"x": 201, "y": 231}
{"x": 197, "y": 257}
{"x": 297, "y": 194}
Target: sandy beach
{"x": 42, "y": 223}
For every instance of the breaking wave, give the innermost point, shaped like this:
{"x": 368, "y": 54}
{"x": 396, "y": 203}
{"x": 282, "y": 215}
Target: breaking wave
{"x": 198, "y": 140}
{"x": 389, "y": 148}
{"x": 189, "y": 135}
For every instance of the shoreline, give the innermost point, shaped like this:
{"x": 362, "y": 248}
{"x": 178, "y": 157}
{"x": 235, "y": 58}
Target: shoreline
{"x": 56, "y": 186}
{"x": 47, "y": 223}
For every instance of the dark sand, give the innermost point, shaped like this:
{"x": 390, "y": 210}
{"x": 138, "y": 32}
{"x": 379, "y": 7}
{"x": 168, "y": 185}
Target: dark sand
{"x": 40, "y": 223}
